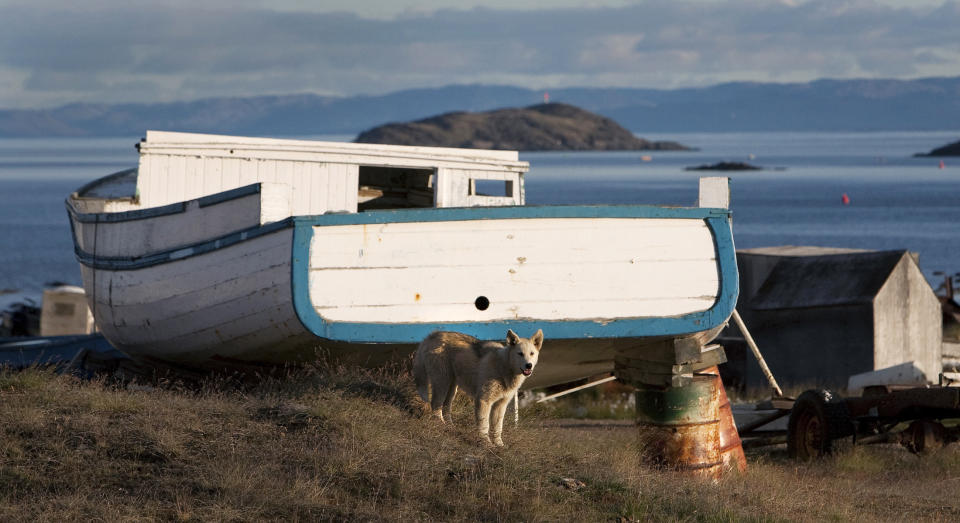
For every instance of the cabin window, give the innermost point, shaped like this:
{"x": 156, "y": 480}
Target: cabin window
{"x": 490, "y": 188}
{"x": 395, "y": 188}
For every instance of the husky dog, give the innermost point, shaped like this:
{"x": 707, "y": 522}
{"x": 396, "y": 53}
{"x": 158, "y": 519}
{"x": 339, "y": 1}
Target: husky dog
{"x": 489, "y": 371}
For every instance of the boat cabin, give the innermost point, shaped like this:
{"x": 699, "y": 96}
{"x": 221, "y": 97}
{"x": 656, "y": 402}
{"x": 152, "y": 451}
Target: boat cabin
{"x": 328, "y": 176}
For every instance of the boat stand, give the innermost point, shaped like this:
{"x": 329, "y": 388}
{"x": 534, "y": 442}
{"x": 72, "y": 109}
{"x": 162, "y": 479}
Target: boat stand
{"x": 683, "y": 413}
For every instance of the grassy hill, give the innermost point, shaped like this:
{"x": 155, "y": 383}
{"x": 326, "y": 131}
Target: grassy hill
{"x": 346, "y": 444}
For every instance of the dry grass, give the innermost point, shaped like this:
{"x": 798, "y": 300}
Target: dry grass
{"x": 340, "y": 444}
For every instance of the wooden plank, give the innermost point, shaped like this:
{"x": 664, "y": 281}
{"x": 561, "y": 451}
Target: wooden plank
{"x": 284, "y": 174}
{"x": 158, "y": 284}
{"x": 176, "y": 180}
{"x": 189, "y": 273}
{"x": 267, "y": 171}
{"x": 301, "y": 189}
{"x": 192, "y": 180}
{"x": 212, "y": 176}
{"x": 140, "y": 237}
{"x": 659, "y": 281}
{"x": 160, "y": 138}
{"x": 452, "y": 187}
{"x": 536, "y": 241}
{"x": 336, "y": 187}
{"x": 399, "y": 159}
{"x": 351, "y": 180}
{"x": 248, "y": 173}
{"x": 489, "y": 175}
{"x": 259, "y": 337}
{"x": 228, "y": 337}
{"x": 554, "y": 283}
{"x": 144, "y": 174}
{"x": 599, "y": 310}
{"x": 231, "y": 173}
{"x": 198, "y": 305}
{"x": 488, "y": 201}
{"x": 274, "y": 202}
{"x": 316, "y": 188}
{"x": 345, "y": 182}
{"x": 151, "y": 191}
{"x": 705, "y": 360}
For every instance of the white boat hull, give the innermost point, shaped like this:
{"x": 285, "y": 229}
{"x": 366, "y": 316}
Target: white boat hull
{"x": 369, "y": 286}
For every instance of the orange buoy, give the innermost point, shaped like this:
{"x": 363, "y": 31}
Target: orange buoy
{"x": 845, "y": 199}
{"x": 941, "y": 164}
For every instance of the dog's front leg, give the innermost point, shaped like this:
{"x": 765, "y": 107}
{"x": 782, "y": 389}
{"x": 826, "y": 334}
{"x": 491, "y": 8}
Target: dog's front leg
{"x": 482, "y": 412}
{"x": 498, "y": 412}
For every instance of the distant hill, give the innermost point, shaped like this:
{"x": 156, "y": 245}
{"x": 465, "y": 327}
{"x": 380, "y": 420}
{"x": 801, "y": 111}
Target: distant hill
{"x": 544, "y": 127}
{"x": 823, "y": 105}
{"x": 952, "y": 149}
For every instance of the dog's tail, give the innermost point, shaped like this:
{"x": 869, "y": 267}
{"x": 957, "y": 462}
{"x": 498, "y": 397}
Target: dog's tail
{"x": 420, "y": 374}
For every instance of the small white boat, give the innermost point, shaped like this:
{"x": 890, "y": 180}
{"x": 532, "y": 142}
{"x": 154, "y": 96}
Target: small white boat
{"x": 220, "y": 250}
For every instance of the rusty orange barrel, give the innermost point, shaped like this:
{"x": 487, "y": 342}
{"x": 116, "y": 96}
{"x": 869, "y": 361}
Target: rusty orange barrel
{"x": 680, "y": 426}
{"x": 731, "y": 449}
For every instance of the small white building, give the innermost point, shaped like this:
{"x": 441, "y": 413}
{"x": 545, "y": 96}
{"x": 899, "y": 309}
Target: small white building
{"x": 65, "y": 312}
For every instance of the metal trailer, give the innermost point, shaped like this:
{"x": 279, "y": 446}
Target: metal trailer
{"x": 922, "y": 419}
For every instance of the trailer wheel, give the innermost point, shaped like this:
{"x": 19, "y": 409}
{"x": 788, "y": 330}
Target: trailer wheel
{"x": 816, "y": 421}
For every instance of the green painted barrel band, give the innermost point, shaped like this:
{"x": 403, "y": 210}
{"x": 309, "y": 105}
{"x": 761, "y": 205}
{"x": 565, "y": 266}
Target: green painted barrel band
{"x": 694, "y": 403}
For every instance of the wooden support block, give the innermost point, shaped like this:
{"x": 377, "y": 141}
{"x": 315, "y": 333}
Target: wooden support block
{"x": 637, "y": 370}
{"x": 644, "y": 378}
{"x": 672, "y": 352}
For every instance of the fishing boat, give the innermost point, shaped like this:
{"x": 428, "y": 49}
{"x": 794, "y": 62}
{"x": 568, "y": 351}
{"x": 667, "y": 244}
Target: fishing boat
{"x": 221, "y": 250}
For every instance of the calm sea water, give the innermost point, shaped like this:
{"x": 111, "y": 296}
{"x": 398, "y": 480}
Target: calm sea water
{"x": 896, "y": 201}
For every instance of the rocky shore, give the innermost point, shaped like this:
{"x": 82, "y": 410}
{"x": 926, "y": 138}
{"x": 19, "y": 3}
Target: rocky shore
{"x": 544, "y": 127}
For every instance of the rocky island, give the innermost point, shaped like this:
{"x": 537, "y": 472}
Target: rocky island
{"x": 952, "y": 149}
{"x": 543, "y": 127}
{"x": 725, "y": 166}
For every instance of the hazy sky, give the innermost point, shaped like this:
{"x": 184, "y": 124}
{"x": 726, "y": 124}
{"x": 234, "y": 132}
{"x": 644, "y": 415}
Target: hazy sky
{"x": 57, "y": 51}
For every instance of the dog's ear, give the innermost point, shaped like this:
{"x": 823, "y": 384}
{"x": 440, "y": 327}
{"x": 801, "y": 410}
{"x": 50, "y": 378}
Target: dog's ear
{"x": 537, "y": 339}
{"x": 512, "y": 337}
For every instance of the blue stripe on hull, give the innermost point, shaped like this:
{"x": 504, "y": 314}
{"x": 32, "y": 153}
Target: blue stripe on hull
{"x": 129, "y": 263}
{"x": 355, "y": 332}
